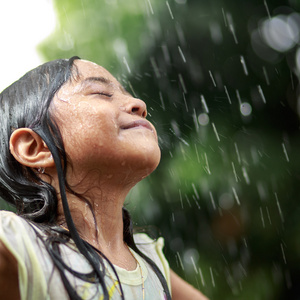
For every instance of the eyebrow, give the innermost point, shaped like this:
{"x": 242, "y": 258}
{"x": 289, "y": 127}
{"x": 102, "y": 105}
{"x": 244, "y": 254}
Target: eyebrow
{"x": 97, "y": 79}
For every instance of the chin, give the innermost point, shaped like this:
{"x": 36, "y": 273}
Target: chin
{"x": 147, "y": 162}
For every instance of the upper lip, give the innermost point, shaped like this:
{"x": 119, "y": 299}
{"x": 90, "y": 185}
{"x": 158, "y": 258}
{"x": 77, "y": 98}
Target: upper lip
{"x": 138, "y": 123}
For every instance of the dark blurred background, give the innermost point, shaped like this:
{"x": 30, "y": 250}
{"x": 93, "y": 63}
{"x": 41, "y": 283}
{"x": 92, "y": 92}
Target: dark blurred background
{"x": 221, "y": 82}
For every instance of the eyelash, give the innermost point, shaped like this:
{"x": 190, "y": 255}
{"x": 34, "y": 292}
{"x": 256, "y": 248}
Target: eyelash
{"x": 103, "y": 94}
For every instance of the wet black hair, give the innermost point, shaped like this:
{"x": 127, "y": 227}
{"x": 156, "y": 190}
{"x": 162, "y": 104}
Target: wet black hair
{"x": 25, "y": 104}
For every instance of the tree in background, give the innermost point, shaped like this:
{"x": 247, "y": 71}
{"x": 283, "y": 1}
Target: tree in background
{"x": 220, "y": 79}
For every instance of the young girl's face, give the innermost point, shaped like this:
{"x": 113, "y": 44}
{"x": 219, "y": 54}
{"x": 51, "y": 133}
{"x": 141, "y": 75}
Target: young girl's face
{"x": 103, "y": 127}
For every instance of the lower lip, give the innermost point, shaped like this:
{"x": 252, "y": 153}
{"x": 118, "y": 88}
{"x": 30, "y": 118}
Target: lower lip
{"x": 140, "y": 126}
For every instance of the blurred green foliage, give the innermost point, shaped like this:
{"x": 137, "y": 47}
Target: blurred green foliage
{"x": 225, "y": 196}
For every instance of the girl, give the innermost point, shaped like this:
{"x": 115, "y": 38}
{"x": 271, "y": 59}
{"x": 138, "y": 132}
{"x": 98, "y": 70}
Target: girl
{"x": 73, "y": 144}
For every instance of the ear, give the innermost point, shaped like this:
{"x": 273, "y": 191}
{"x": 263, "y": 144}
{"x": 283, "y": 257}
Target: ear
{"x": 29, "y": 149}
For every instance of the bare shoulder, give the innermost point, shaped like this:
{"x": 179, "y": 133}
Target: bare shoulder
{"x": 9, "y": 284}
{"x": 181, "y": 290}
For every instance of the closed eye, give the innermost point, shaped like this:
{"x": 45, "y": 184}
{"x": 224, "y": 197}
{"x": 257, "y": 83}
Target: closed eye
{"x": 103, "y": 94}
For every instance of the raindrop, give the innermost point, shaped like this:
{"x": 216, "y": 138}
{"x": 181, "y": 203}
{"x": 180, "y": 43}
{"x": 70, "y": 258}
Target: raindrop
{"x": 197, "y": 154}
{"x": 204, "y": 103}
{"x": 215, "y": 130}
{"x": 223, "y": 13}
{"x": 186, "y": 106}
{"x": 261, "y": 93}
{"x": 212, "y": 276}
{"x": 182, "y": 83}
{"x": 180, "y": 197}
{"x": 261, "y": 191}
{"x": 236, "y": 196}
{"x": 180, "y": 261}
{"x": 194, "y": 265}
{"x": 170, "y": 11}
{"x": 195, "y": 120}
{"x": 166, "y": 53}
{"x": 246, "y": 109}
{"x": 132, "y": 90}
{"x": 285, "y": 152}
{"x": 262, "y": 217}
{"x": 231, "y": 27}
{"x": 212, "y": 200}
{"x": 237, "y": 153}
{"x": 238, "y": 97}
{"x": 201, "y": 276}
{"x": 207, "y": 165}
{"x": 188, "y": 201}
{"x": 266, "y": 76}
{"x": 212, "y": 78}
{"x": 203, "y": 119}
{"x": 283, "y": 254}
{"x": 267, "y": 9}
{"x": 181, "y": 54}
{"x": 279, "y": 208}
{"x": 243, "y": 62}
{"x": 154, "y": 66}
{"x": 162, "y": 101}
{"x": 269, "y": 217}
{"x": 173, "y": 217}
{"x": 292, "y": 81}
{"x": 195, "y": 191}
{"x": 150, "y": 6}
{"x": 227, "y": 94}
{"x": 234, "y": 171}
{"x": 245, "y": 174}
{"x": 126, "y": 64}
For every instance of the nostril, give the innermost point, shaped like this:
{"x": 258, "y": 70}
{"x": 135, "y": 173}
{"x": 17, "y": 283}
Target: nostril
{"x": 135, "y": 109}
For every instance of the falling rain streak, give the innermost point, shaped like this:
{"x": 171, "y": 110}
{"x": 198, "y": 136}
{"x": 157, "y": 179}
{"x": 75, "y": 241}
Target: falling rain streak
{"x": 267, "y": 9}
{"x": 126, "y": 64}
{"x": 182, "y": 83}
{"x": 234, "y": 171}
{"x": 279, "y": 208}
{"x": 181, "y": 54}
{"x": 216, "y": 132}
{"x": 242, "y": 59}
{"x": 207, "y": 165}
{"x": 261, "y": 93}
{"x": 204, "y": 104}
{"x": 170, "y": 11}
{"x": 236, "y": 196}
{"x": 262, "y": 217}
{"x": 227, "y": 94}
{"x": 212, "y": 78}
{"x": 212, "y": 200}
{"x": 285, "y": 152}
{"x": 237, "y": 153}
{"x": 245, "y": 174}
{"x": 150, "y": 7}
{"x": 212, "y": 277}
{"x": 201, "y": 277}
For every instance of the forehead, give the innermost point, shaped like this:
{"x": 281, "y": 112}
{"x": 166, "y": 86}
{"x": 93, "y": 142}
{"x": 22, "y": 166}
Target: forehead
{"x": 89, "y": 69}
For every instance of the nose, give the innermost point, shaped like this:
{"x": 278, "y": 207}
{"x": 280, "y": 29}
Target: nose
{"x": 137, "y": 107}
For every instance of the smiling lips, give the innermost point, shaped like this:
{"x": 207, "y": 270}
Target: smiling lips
{"x": 138, "y": 124}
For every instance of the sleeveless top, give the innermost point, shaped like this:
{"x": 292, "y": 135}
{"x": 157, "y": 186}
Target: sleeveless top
{"x": 39, "y": 279}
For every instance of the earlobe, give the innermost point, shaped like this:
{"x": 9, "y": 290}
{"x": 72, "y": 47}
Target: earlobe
{"x": 29, "y": 149}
